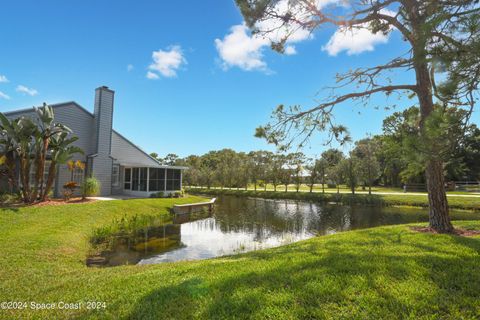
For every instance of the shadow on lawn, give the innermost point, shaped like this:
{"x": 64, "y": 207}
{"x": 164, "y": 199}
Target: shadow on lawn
{"x": 341, "y": 277}
{"x": 5, "y": 207}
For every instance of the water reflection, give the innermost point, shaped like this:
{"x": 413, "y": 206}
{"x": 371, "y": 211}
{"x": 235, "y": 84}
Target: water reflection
{"x": 241, "y": 225}
{"x": 245, "y": 224}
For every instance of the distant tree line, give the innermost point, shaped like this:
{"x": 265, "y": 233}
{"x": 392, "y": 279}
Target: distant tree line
{"x": 389, "y": 159}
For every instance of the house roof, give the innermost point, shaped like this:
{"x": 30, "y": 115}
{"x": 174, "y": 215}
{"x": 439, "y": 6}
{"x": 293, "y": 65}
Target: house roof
{"x": 140, "y": 149}
{"x": 56, "y": 105}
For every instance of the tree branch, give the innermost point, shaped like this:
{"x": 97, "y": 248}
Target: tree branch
{"x": 354, "y": 95}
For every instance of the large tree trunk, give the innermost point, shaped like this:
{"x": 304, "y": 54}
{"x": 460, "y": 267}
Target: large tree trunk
{"x": 437, "y": 198}
{"x": 42, "y": 168}
{"x": 39, "y": 170}
{"x": 25, "y": 178}
{"x": 52, "y": 171}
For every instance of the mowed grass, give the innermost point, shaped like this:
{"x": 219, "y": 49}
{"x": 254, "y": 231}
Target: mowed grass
{"x": 454, "y": 202}
{"x": 345, "y": 189}
{"x": 378, "y": 273}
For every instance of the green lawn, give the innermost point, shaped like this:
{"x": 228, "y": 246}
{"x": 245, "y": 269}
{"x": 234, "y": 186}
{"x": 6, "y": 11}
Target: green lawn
{"x": 378, "y": 273}
{"x": 318, "y": 187}
{"x": 467, "y": 203}
{"x": 345, "y": 188}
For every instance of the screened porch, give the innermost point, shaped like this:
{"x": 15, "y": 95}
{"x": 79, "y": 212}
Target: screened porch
{"x": 143, "y": 181}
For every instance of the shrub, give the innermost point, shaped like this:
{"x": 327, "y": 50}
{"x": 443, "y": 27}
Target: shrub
{"x": 90, "y": 187}
{"x": 69, "y": 188}
{"x": 9, "y": 198}
{"x": 129, "y": 227}
{"x": 179, "y": 194}
{"x": 163, "y": 194}
{"x": 160, "y": 194}
{"x": 70, "y": 185}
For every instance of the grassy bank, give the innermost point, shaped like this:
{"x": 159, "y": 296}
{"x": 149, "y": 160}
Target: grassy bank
{"x": 346, "y": 189}
{"x": 387, "y": 272}
{"x": 465, "y": 203}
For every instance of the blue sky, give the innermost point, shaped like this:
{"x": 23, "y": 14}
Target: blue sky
{"x": 188, "y": 77}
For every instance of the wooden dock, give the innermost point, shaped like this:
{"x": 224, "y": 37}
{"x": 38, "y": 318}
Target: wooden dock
{"x": 193, "y": 207}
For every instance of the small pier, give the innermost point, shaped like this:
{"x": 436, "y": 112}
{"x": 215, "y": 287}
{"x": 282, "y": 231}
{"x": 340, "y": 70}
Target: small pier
{"x": 180, "y": 209}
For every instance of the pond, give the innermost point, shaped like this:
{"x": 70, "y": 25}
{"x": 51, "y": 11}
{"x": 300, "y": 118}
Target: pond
{"x": 244, "y": 224}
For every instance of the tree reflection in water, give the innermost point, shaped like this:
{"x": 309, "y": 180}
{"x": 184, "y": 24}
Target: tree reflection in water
{"x": 244, "y": 224}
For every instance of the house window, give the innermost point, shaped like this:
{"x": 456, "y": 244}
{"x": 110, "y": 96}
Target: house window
{"x": 115, "y": 175}
{"x": 77, "y": 175}
{"x": 135, "y": 184}
{"x": 127, "y": 185}
{"x": 143, "y": 179}
{"x": 173, "y": 179}
{"x": 156, "y": 181}
{"x": 139, "y": 179}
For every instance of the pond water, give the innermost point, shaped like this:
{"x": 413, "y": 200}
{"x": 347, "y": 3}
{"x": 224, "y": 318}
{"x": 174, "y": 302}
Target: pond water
{"x": 245, "y": 224}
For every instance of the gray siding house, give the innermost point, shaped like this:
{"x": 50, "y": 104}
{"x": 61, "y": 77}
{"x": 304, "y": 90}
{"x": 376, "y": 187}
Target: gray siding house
{"x": 121, "y": 166}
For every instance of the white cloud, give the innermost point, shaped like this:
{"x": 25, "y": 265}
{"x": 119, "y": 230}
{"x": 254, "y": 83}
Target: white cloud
{"x": 152, "y": 76}
{"x": 242, "y": 50}
{"x": 239, "y": 48}
{"x": 3, "y": 78}
{"x": 166, "y": 62}
{"x": 290, "y": 50}
{"x": 354, "y": 41}
{"x": 4, "y": 96}
{"x": 130, "y": 67}
{"x": 25, "y": 90}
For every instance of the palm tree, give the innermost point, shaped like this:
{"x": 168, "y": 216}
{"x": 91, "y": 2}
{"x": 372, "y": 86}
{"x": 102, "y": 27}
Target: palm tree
{"x": 24, "y": 129}
{"x": 23, "y": 139}
{"x": 47, "y": 129}
{"x": 8, "y": 154}
{"x": 62, "y": 150}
